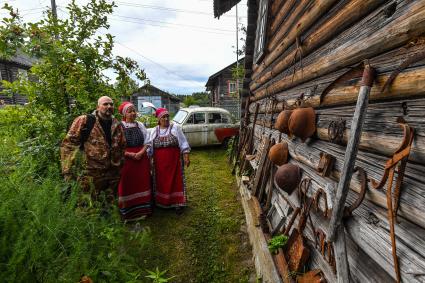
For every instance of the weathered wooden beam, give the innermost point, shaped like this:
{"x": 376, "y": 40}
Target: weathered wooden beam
{"x": 381, "y": 132}
{"x": 336, "y": 230}
{"x": 398, "y": 32}
{"x": 408, "y": 84}
{"x": 262, "y": 258}
{"x": 348, "y": 15}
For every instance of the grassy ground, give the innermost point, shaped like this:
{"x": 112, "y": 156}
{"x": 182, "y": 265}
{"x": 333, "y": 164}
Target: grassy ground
{"x": 207, "y": 242}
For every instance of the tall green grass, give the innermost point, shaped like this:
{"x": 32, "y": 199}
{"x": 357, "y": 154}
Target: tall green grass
{"x": 46, "y": 237}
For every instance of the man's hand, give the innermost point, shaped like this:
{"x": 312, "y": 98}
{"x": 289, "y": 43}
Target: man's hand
{"x": 186, "y": 159}
{"x": 67, "y": 177}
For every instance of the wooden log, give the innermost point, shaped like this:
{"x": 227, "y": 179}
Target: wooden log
{"x": 289, "y": 22}
{"x": 348, "y": 15}
{"x": 382, "y": 134}
{"x": 281, "y": 15}
{"x": 275, "y": 5}
{"x": 396, "y": 33}
{"x": 408, "y": 84}
{"x": 291, "y": 28}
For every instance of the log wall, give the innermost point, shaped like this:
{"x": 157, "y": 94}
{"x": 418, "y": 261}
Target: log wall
{"x": 315, "y": 52}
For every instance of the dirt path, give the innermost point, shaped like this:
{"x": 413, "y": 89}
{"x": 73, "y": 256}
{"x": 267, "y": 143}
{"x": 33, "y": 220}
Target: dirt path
{"x": 208, "y": 242}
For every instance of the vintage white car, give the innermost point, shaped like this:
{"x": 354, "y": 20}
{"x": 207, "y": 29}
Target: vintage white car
{"x": 206, "y": 125}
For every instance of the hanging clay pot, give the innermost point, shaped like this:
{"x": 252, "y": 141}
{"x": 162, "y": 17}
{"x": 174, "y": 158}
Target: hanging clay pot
{"x": 302, "y": 123}
{"x": 282, "y": 120}
{"x": 287, "y": 177}
{"x": 278, "y": 153}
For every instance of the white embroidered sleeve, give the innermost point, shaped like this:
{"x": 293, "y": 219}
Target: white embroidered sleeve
{"x": 183, "y": 144}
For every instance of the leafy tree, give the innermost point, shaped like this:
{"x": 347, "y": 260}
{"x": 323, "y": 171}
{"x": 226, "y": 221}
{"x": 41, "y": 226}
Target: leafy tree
{"x": 242, "y": 48}
{"x": 197, "y": 98}
{"x": 202, "y": 98}
{"x": 189, "y": 100}
{"x": 68, "y": 76}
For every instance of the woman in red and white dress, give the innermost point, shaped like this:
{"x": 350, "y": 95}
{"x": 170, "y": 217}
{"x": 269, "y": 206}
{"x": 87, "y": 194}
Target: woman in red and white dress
{"x": 134, "y": 189}
{"x": 170, "y": 154}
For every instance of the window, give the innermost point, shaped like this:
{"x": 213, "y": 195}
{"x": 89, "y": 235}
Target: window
{"x": 180, "y": 116}
{"x": 214, "y": 118}
{"x": 260, "y": 37}
{"x": 190, "y": 120}
{"x": 232, "y": 87}
{"x": 196, "y": 118}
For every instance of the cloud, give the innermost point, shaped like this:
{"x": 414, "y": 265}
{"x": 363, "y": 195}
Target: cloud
{"x": 178, "y": 43}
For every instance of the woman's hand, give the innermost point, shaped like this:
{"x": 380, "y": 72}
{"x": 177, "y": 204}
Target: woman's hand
{"x": 139, "y": 154}
{"x": 186, "y": 159}
{"x": 130, "y": 155}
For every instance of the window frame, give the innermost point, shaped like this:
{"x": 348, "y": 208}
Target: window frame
{"x": 260, "y": 34}
{"x": 229, "y": 90}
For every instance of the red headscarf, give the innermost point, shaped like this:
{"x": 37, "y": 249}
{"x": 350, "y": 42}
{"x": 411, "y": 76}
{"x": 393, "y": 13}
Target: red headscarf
{"x": 124, "y": 107}
{"x": 161, "y": 112}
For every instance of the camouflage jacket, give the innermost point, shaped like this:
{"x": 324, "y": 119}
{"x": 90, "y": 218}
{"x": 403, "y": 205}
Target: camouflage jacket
{"x": 98, "y": 156}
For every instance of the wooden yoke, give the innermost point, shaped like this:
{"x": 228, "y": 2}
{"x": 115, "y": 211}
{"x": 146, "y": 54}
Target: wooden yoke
{"x": 336, "y": 230}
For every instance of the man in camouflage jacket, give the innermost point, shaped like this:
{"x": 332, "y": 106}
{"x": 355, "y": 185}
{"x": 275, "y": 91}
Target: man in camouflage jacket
{"x": 102, "y": 155}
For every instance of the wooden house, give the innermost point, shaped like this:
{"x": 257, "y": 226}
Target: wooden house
{"x": 9, "y": 70}
{"x": 159, "y": 98}
{"x": 223, "y": 88}
{"x": 320, "y": 54}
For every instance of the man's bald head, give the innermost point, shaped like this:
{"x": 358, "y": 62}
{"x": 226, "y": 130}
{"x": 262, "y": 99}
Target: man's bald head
{"x": 105, "y": 107}
{"x": 103, "y": 99}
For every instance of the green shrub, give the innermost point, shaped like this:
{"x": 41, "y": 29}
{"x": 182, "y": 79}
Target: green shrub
{"x": 46, "y": 237}
{"x": 277, "y": 242}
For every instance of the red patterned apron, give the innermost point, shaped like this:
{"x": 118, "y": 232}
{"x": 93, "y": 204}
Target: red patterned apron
{"x": 169, "y": 174}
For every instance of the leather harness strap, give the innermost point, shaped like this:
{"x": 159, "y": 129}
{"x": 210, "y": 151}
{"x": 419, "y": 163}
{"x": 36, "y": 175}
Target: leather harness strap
{"x": 399, "y": 158}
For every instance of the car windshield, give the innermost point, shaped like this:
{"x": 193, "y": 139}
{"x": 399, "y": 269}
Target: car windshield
{"x": 180, "y": 116}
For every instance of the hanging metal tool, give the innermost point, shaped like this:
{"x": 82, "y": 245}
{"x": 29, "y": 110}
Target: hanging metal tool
{"x": 336, "y": 230}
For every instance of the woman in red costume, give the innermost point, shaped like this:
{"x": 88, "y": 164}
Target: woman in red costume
{"x": 134, "y": 190}
{"x": 169, "y": 145}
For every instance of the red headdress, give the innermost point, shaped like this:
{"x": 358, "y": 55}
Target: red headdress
{"x": 124, "y": 107}
{"x": 161, "y": 112}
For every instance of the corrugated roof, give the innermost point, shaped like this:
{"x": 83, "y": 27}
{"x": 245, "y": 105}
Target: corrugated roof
{"x": 222, "y": 6}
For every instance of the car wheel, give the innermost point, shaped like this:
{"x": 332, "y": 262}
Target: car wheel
{"x": 225, "y": 143}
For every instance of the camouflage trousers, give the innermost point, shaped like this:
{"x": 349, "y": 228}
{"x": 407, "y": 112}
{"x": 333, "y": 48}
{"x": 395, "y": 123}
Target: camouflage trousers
{"x": 101, "y": 185}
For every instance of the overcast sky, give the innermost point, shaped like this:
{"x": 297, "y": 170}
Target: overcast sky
{"x": 178, "y": 43}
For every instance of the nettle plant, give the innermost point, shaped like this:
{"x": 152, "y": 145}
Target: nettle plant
{"x": 71, "y": 57}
